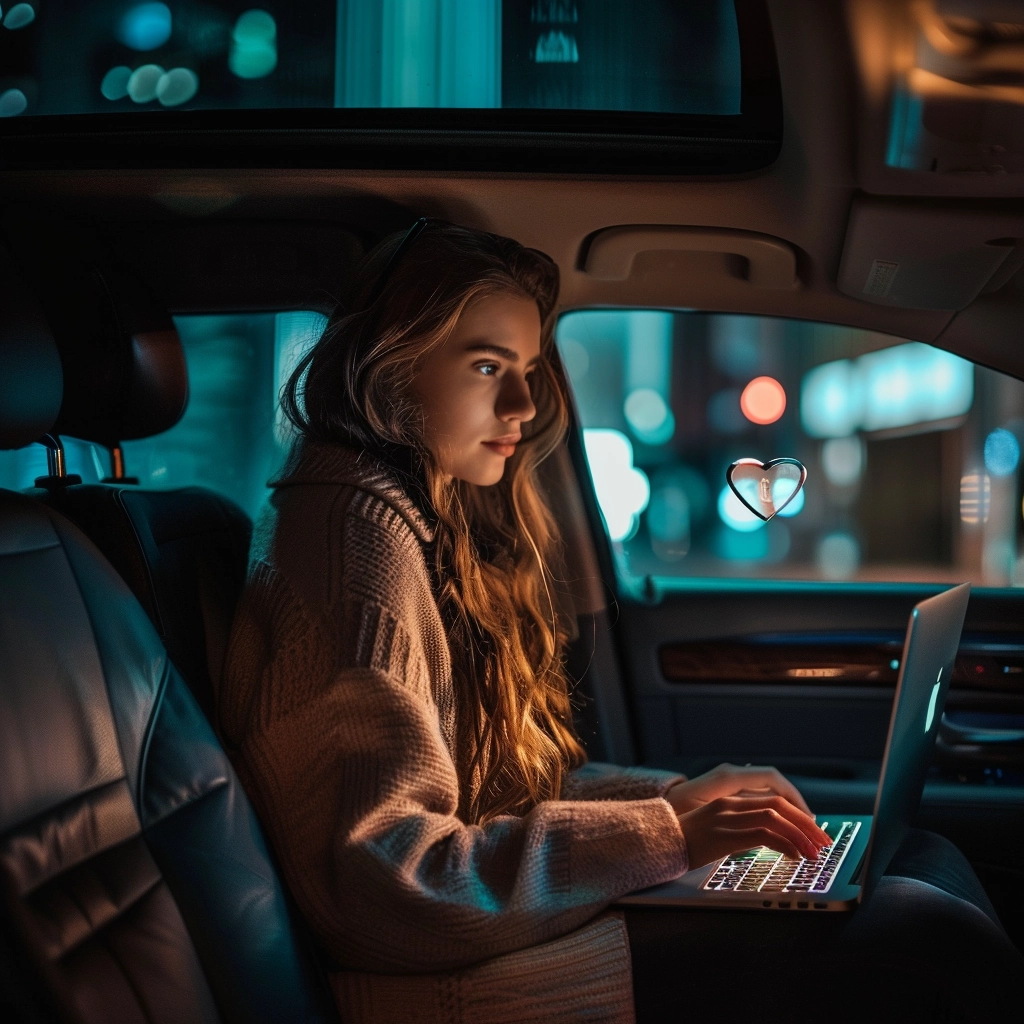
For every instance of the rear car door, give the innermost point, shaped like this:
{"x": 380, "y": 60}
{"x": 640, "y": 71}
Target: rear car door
{"x": 780, "y": 642}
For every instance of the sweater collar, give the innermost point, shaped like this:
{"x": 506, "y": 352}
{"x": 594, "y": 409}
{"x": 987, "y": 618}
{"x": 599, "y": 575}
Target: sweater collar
{"x": 312, "y": 462}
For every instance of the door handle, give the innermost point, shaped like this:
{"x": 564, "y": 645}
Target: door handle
{"x": 771, "y": 262}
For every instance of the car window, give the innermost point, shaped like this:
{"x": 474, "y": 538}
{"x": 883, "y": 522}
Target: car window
{"x": 912, "y": 453}
{"x": 67, "y": 57}
{"x": 232, "y": 437}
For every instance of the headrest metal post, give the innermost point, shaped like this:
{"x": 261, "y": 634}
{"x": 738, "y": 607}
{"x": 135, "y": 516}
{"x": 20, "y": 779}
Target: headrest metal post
{"x": 116, "y": 462}
{"x": 56, "y": 464}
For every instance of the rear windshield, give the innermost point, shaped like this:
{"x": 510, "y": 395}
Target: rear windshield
{"x": 913, "y": 455}
{"x": 70, "y": 57}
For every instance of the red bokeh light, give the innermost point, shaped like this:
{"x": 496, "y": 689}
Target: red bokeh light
{"x": 763, "y": 400}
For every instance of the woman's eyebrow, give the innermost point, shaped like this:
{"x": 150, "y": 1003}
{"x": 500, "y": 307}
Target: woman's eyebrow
{"x": 499, "y": 350}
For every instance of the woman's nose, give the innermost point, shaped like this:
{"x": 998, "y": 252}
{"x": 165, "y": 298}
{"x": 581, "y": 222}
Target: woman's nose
{"x": 514, "y": 400}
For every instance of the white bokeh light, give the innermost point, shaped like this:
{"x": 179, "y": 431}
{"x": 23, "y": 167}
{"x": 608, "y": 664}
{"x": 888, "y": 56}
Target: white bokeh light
{"x": 622, "y": 490}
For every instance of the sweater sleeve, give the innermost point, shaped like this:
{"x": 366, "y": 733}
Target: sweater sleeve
{"x": 360, "y": 797}
{"x": 596, "y": 780}
{"x": 359, "y": 793}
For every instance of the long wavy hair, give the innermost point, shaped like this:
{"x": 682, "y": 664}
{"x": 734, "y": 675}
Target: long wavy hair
{"x": 494, "y": 546}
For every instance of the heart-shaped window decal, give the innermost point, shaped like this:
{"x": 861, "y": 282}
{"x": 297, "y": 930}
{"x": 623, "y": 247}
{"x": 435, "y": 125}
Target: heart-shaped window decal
{"x": 766, "y": 488}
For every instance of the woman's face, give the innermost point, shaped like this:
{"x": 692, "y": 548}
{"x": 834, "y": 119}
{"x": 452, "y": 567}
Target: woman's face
{"x": 474, "y": 389}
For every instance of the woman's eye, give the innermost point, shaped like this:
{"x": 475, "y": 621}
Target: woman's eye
{"x": 488, "y": 369}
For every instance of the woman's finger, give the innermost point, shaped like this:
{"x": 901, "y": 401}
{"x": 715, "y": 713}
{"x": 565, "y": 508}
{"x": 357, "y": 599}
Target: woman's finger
{"x": 779, "y": 805}
{"x": 749, "y": 838}
{"x": 777, "y": 825}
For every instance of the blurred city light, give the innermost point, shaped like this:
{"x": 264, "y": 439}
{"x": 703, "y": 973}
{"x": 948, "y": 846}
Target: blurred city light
{"x": 763, "y": 400}
{"x": 736, "y": 546}
{"x": 735, "y": 514}
{"x": 831, "y": 399}
{"x": 115, "y": 83}
{"x": 781, "y": 490}
{"x": 143, "y": 82}
{"x": 649, "y": 416}
{"x": 838, "y": 556}
{"x": 1002, "y": 452}
{"x": 12, "y": 102}
{"x": 975, "y": 495}
{"x": 622, "y": 490}
{"x": 19, "y": 16}
{"x": 842, "y": 459}
{"x": 253, "y": 45}
{"x": 894, "y": 387}
{"x": 145, "y": 26}
{"x": 177, "y": 86}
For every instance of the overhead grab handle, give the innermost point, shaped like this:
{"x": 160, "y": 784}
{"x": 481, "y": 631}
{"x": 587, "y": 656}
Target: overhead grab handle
{"x": 771, "y": 263}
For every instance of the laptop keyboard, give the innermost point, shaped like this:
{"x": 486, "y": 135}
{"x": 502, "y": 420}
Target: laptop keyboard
{"x": 764, "y": 870}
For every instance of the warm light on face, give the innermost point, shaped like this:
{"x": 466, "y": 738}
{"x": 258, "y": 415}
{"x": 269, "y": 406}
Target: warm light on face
{"x": 763, "y": 400}
{"x": 474, "y": 389}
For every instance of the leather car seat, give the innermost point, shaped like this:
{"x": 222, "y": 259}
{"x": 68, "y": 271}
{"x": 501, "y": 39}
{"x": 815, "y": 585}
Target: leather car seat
{"x": 133, "y": 872}
{"x": 184, "y": 552}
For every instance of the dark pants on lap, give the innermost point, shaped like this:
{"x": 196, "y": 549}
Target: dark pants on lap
{"x": 927, "y": 946}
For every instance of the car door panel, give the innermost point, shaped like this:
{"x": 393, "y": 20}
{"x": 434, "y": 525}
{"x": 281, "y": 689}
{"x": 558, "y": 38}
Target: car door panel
{"x": 802, "y": 676}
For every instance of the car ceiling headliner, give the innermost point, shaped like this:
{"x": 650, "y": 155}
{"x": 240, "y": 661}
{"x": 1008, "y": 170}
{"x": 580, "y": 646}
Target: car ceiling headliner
{"x": 163, "y": 216}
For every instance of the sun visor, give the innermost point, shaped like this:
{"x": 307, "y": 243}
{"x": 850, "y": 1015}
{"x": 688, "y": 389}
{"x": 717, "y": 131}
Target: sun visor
{"x": 925, "y": 256}
{"x": 124, "y": 366}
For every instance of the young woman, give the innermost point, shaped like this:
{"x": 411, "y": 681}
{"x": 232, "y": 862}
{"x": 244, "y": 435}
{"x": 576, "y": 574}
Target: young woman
{"x": 395, "y": 691}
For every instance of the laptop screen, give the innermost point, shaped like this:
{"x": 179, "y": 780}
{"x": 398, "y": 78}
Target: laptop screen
{"x": 933, "y": 636}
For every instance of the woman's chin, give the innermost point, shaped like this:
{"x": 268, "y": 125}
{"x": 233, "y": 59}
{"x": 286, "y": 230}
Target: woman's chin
{"x": 482, "y": 475}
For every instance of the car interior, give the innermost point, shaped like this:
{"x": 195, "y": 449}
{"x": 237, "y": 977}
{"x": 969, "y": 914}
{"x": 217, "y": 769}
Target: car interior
{"x": 823, "y": 200}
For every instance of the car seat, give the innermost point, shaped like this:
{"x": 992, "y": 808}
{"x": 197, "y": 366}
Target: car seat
{"x": 133, "y": 872}
{"x": 183, "y": 552}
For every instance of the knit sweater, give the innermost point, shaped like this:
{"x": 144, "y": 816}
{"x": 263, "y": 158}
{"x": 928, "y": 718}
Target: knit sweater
{"x": 338, "y": 707}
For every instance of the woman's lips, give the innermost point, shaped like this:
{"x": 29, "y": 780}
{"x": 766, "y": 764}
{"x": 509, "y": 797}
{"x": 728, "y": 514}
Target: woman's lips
{"x": 503, "y": 446}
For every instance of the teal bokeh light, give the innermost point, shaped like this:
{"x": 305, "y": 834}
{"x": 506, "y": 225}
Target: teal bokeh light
{"x": 1002, "y": 452}
{"x": 145, "y": 26}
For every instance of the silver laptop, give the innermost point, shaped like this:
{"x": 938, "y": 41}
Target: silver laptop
{"x": 846, "y": 872}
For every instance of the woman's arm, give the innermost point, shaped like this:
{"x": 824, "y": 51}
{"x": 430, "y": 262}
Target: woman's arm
{"x": 359, "y": 796}
{"x": 336, "y": 668}
{"x": 597, "y": 780}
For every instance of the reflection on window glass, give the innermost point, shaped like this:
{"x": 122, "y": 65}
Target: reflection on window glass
{"x": 912, "y": 454}
{"x": 66, "y": 56}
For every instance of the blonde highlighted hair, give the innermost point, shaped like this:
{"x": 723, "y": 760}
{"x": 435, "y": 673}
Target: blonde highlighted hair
{"x": 494, "y": 546}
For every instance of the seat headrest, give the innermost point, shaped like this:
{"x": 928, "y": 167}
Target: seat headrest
{"x": 124, "y": 366}
{"x": 137, "y": 387}
{"x": 31, "y": 381}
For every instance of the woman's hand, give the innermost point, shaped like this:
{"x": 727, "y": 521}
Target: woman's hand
{"x": 730, "y": 809}
{"x": 731, "y": 780}
{"x": 730, "y": 824}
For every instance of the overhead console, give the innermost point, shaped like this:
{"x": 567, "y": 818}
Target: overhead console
{"x": 942, "y": 96}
